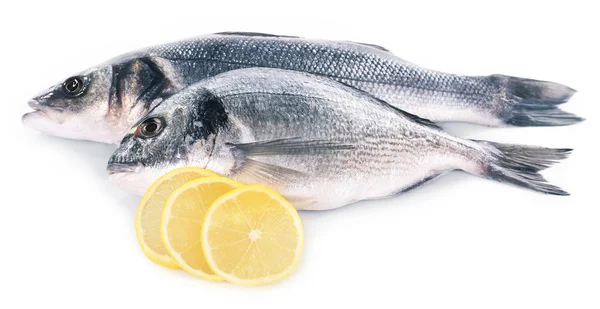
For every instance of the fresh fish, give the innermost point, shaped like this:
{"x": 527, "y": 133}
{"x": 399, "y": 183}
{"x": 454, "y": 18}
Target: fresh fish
{"x": 100, "y": 104}
{"x": 319, "y": 143}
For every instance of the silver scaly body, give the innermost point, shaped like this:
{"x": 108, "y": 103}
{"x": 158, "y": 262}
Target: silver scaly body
{"x": 437, "y": 96}
{"x": 106, "y": 100}
{"x": 319, "y": 143}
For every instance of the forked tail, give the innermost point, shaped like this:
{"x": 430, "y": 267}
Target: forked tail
{"x": 520, "y": 165}
{"x": 530, "y": 102}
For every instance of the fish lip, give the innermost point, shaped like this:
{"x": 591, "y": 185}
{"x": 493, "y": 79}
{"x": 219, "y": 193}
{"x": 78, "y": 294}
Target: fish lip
{"x": 123, "y": 167}
{"x": 36, "y": 106}
{"x": 41, "y": 110}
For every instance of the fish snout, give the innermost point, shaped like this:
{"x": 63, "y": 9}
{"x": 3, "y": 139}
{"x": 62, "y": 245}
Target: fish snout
{"x": 34, "y": 104}
{"x": 40, "y": 106}
{"x": 42, "y": 115}
{"x": 38, "y": 116}
{"x": 120, "y": 164}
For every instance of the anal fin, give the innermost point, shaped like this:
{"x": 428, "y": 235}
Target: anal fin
{"x": 418, "y": 183}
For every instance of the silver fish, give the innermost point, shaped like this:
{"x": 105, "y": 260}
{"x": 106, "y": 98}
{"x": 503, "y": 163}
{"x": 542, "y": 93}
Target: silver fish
{"x": 101, "y": 103}
{"x": 319, "y": 143}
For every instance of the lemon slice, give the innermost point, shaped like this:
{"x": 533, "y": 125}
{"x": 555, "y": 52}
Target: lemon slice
{"x": 150, "y": 210}
{"x": 252, "y": 236}
{"x": 183, "y": 218}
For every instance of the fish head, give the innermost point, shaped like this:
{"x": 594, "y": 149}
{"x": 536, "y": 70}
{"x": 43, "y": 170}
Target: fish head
{"x": 178, "y": 132}
{"x": 99, "y": 104}
{"x": 74, "y": 108}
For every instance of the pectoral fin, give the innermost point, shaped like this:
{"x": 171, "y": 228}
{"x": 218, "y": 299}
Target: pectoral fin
{"x": 250, "y": 159}
{"x": 256, "y": 172}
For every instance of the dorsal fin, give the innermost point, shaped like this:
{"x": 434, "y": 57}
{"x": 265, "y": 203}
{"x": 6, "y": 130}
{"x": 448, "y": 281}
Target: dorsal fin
{"x": 259, "y": 34}
{"x": 269, "y": 35}
{"x": 372, "y": 45}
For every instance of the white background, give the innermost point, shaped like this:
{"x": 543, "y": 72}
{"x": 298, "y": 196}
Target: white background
{"x": 67, "y": 235}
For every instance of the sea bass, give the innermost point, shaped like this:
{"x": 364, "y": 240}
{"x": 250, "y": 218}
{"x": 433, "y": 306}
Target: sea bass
{"x": 101, "y": 103}
{"x": 319, "y": 143}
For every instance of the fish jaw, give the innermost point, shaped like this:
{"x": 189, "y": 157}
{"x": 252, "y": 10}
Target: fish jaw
{"x": 130, "y": 182}
{"x": 92, "y": 124}
{"x": 58, "y": 123}
{"x": 50, "y": 121}
{"x": 128, "y": 174}
{"x": 130, "y": 177}
{"x": 135, "y": 178}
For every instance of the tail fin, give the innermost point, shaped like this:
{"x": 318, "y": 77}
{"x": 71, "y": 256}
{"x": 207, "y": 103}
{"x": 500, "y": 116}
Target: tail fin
{"x": 520, "y": 165}
{"x": 533, "y": 102}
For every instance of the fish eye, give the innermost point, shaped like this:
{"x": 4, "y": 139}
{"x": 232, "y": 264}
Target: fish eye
{"x": 149, "y": 128}
{"x": 73, "y": 85}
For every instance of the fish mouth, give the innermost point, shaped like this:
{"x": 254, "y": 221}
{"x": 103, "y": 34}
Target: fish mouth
{"x": 40, "y": 112}
{"x": 123, "y": 167}
{"x": 132, "y": 178}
